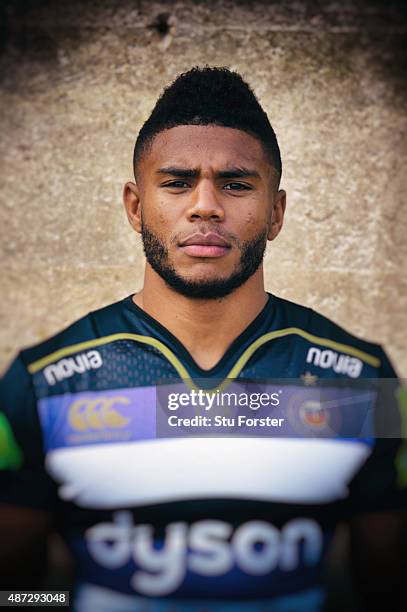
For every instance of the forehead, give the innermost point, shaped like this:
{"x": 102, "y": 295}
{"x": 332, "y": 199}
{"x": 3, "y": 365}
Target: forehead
{"x": 206, "y": 145}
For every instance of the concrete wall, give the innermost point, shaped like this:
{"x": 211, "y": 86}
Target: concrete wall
{"x": 79, "y": 78}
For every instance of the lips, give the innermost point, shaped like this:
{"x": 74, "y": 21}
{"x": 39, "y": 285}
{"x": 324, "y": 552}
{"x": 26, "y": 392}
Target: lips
{"x": 205, "y": 245}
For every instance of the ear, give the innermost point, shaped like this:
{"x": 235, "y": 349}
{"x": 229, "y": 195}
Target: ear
{"x": 131, "y": 199}
{"x": 277, "y": 215}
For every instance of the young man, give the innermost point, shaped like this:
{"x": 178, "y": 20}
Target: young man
{"x": 179, "y": 523}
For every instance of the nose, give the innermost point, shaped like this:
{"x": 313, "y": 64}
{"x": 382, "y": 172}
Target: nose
{"x": 205, "y": 203}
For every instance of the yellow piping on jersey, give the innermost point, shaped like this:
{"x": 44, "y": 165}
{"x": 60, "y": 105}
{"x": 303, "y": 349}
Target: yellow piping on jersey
{"x": 279, "y": 333}
{"x": 74, "y": 348}
{"x": 182, "y": 371}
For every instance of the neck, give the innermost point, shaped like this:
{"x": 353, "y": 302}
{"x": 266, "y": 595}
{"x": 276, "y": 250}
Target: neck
{"x": 205, "y": 327}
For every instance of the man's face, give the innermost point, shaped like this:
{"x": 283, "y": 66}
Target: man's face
{"x": 207, "y": 203}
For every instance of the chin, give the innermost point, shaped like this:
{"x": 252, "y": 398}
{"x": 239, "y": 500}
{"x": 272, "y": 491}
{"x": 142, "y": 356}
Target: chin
{"x": 205, "y": 271}
{"x": 203, "y": 281}
{"x": 202, "y": 276}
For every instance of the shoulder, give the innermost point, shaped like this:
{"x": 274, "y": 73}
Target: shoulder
{"x": 78, "y": 336}
{"x": 326, "y": 340}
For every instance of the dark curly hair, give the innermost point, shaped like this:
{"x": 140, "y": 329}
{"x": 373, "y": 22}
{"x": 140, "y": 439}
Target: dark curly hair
{"x": 209, "y": 96}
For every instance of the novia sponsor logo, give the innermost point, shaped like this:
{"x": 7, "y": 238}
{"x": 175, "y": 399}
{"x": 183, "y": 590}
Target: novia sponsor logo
{"x": 67, "y": 367}
{"x": 340, "y": 363}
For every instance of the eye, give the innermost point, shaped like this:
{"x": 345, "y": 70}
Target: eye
{"x": 237, "y": 187}
{"x": 176, "y": 184}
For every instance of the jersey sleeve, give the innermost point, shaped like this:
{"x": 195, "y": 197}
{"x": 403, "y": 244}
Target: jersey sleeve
{"x": 23, "y": 480}
{"x": 381, "y": 485}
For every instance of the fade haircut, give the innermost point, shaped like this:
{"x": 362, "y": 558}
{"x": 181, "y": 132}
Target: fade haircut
{"x": 209, "y": 96}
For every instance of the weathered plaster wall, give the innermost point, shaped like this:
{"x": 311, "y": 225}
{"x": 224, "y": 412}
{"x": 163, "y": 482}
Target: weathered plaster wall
{"x": 79, "y": 78}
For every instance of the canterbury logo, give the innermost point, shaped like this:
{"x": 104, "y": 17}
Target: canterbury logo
{"x": 85, "y": 414}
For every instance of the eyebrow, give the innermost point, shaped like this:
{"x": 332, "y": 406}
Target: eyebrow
{"x": 228, "y": 173}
